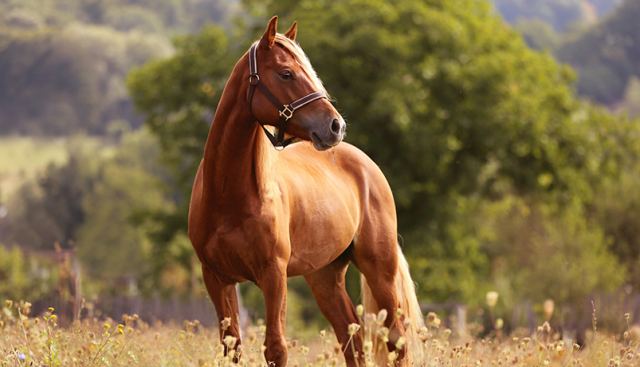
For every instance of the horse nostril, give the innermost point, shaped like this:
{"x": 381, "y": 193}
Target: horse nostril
{"x": 335, "y": 126}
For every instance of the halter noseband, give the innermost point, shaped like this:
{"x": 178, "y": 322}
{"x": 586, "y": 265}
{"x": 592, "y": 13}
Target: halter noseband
{"x": 285, "y": 111}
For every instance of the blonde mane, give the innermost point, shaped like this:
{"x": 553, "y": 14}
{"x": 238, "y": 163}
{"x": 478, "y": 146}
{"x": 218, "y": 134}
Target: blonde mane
{"x": 302, "y": 59}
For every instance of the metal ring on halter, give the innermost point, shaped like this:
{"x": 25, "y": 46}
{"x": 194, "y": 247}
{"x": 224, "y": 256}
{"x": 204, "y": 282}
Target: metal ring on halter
{"x": 286, "y": 112}
{"x": 254, "y": 79}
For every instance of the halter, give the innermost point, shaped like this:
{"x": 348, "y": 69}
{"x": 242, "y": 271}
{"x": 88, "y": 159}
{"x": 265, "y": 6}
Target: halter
{"x": 285, "y": 111}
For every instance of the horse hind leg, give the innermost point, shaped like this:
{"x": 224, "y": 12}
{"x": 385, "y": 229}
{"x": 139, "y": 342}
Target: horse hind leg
{"x": 379, "y": 292}
{"x": 387, "y": 285}
{"x": 328, "y": 287}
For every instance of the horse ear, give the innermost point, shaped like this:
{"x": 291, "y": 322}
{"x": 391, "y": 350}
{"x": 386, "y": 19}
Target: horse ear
{"x": 269, "y": 37}
{"x": 292, "y": 32}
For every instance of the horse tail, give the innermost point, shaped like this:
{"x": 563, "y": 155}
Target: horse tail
{"x": 412, "y": 312}
{"x": 413, "y": 320}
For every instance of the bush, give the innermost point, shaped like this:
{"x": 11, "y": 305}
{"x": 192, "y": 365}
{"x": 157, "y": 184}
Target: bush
{"x": 25, "y": 277}
{"x": 544, "y": 251}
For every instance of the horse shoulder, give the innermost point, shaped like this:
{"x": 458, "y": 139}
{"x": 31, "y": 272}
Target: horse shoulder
{"x": 240, "y": 247}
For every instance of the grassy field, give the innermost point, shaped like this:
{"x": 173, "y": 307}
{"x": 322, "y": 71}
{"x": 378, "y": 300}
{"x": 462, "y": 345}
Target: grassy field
{"x": 39, "y": 341}
{"x": 22, "y": 158}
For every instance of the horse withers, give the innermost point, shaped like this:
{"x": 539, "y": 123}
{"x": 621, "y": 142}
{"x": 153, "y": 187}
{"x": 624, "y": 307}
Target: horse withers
{"x": 263, "y": 213}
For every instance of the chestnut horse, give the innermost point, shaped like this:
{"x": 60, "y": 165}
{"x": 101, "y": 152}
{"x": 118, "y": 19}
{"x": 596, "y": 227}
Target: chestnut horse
{"x": 263, "y": 214}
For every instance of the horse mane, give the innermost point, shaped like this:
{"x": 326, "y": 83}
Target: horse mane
{"x": 294, "y": 48}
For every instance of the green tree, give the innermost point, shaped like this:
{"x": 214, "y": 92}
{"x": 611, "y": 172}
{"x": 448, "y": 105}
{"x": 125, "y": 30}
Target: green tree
{"x": 97, "y": 202}
{"x": 24, "y": 277}
{"x": 50, "y": 210}
{"x": 112, "y": 243}
{"x": 542, "y": 250}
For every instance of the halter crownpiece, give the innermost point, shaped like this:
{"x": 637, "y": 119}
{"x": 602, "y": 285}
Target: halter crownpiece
{"x": 285, "y": 111}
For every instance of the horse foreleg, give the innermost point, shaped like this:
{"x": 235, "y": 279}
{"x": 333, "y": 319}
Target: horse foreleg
{"x": 273, "y": 283}
{"x": 224, "y": 298}
{"x": 328, "y": 287}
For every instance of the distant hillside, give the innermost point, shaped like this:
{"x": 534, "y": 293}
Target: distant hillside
{"x": 607, "y": 56}
{"x": 63, "y": 63}
{"x": 152, "y": 16}
{"x": 59, "y": 81}
{"x": 561, "y": 15}
{"x": 600, "y": 39}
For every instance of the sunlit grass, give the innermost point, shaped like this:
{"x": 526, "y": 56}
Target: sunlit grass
{"x": 39, "y": 341}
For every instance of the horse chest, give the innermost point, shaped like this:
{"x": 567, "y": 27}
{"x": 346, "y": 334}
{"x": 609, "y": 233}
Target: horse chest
{"x": 239, "y": 250}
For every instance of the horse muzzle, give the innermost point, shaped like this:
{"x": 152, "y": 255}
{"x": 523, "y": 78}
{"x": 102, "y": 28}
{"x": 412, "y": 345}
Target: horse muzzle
{"x": 331, "y": 136}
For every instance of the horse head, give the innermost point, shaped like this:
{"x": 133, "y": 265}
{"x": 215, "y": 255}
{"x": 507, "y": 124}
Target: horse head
{"x": 282, "y": 82}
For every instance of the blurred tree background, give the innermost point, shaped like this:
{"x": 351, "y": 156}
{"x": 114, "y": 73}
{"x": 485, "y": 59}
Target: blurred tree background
{"x": 511, "y": 170}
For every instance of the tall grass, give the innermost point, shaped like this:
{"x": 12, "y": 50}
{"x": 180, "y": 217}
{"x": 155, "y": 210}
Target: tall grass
{"x": 39, "y": 341}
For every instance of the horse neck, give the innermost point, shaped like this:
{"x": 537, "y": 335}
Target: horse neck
{"x": 237, "y": 156}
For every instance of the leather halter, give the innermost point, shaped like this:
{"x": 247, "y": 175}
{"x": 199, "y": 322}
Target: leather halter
{"x": 285, "y": 111}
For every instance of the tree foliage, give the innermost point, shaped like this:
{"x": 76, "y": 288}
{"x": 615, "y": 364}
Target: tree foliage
{"x": 96, "y": 202}
{"x": 50, "y": 210}
{"x": 539, "y": 250}
{"x": 24, "y": 277}
{"x": 125, "y": 185}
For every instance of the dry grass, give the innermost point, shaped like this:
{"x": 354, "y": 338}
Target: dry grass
{"x": 39, "y": 341}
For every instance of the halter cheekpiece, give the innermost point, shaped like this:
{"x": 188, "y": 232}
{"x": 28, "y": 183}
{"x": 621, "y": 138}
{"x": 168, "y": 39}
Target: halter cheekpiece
{"x": 285, "y": 111}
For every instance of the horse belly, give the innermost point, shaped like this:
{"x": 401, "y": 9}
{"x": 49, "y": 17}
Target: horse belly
{"x": 316, "y": 243}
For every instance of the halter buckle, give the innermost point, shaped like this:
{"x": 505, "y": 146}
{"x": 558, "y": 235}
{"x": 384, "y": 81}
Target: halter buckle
{"x": 254, "y": 79}
{"x": 286, "y": 112}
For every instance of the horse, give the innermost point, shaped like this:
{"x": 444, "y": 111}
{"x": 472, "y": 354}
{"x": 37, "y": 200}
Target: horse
{"x": 263, "y": 213}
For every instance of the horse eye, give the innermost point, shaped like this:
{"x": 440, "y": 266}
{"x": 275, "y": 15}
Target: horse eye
{"x": 286, "y": 75}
